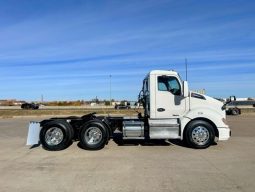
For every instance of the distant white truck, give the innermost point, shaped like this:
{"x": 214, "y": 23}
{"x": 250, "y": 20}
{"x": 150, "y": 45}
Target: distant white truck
{"x": 171, "y": 111}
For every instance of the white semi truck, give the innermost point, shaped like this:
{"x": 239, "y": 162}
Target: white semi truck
{"x": 171, "y": 111}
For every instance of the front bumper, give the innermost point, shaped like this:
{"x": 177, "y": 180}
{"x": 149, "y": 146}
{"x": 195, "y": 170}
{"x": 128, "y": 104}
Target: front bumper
{"x": 224, "y": 133}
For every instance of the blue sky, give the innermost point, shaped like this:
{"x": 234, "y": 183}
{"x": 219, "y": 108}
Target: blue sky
{"x": 66, "y": 50}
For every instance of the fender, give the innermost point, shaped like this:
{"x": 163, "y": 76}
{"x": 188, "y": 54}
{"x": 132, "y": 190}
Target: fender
{"x": 202, "y": 113}
{"x": 35, "y": 128}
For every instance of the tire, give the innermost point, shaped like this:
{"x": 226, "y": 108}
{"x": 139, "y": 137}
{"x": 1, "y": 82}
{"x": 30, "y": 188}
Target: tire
{"x": 93, "y": 136}
{"x": 199, "y": 134}
{"x": 235, "y": 112}
{"x": 56, "y": 135}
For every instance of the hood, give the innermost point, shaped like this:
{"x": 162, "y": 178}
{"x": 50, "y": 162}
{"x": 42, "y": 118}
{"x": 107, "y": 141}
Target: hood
{"x": 204, "y": 101}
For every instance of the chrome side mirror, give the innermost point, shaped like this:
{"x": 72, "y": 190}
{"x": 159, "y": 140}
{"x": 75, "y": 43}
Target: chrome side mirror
{"x": 185, "y": 89}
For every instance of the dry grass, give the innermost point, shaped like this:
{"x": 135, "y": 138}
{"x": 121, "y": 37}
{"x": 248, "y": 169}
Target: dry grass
{"x": 248, "y": 110}
{"x": 7, "y": 113}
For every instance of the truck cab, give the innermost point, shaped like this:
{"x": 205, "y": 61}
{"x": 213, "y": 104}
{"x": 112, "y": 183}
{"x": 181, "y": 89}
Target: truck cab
{"x": 163, "y": 92}
{"x": 171, "y": 109}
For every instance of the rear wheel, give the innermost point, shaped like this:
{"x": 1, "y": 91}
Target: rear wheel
{"x": 56, "y": 135}
{"x": 199, "y": 134}
{"x": 93, "y": 136}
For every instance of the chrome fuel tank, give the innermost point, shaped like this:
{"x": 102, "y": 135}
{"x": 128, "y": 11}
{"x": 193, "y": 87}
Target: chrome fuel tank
{"x": 133, "y": 129}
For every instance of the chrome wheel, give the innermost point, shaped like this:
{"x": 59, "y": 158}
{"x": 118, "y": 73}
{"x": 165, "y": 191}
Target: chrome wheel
{"x": 54, "y": 136}
{"x": 200, "y": 135}
{"x": 93, "y": 135}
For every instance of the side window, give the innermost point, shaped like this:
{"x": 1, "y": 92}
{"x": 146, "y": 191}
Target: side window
{"x": 145, "y": 85}
{"x": 168, "y": 83}
{"x": 162, "y": 84}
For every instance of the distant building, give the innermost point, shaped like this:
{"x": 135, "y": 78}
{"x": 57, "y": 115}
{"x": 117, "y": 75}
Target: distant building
{"x": 201, "y": 91}
{"x": 115, "y": 103}
{"x": 10, "y": 102}
{"x": 93, "y": 104}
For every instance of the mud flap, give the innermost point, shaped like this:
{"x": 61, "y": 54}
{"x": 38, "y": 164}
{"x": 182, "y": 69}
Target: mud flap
{"x": 33, "y": 133}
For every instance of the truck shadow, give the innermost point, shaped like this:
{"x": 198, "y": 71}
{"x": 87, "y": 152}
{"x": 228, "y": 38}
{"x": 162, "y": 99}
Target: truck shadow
{"x": 35, "y": 146}
{"x": 135, "y": 142}
{"x": 117, "y": 138}
{"x": 156, "y": 142}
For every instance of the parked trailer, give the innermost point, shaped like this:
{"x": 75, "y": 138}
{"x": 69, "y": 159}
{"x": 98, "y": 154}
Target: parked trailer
{"x": 233, "y": 106}
{"x": 230, "y": 106}
{"x": 171, "y": 111}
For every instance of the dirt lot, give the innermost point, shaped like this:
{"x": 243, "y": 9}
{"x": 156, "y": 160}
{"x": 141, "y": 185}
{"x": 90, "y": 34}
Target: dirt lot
{"x": 159, "y": 166}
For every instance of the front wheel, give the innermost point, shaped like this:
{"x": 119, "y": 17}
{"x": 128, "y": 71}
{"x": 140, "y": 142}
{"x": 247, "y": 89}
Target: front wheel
{"x": 199, "y": 134}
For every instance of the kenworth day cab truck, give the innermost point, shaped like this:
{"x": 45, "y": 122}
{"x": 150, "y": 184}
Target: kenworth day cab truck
{"x": 171, "y": 111}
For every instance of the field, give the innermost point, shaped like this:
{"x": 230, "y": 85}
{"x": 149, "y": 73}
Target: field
{"x": 8, "y": 112}
{"x": 15, "y": 111}
{"x": 136, "y": 166}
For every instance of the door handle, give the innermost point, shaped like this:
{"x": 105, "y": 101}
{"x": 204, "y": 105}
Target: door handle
{"x": 160, "y": 109}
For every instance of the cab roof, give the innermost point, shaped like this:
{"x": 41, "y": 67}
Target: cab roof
{"x": 163, "y": 72}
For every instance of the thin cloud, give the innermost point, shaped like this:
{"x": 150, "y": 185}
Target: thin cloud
{"x": 68, "y": 45}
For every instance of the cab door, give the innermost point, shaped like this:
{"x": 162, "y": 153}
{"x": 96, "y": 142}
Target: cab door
{"x": 168, "y": 97}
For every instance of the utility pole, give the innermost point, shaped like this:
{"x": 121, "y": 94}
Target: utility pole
{"x": 110, "y": 90}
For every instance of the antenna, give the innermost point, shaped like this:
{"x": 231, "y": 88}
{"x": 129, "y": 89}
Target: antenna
{"x": 186, "y": 66}
{"x": 110, "y": 90}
